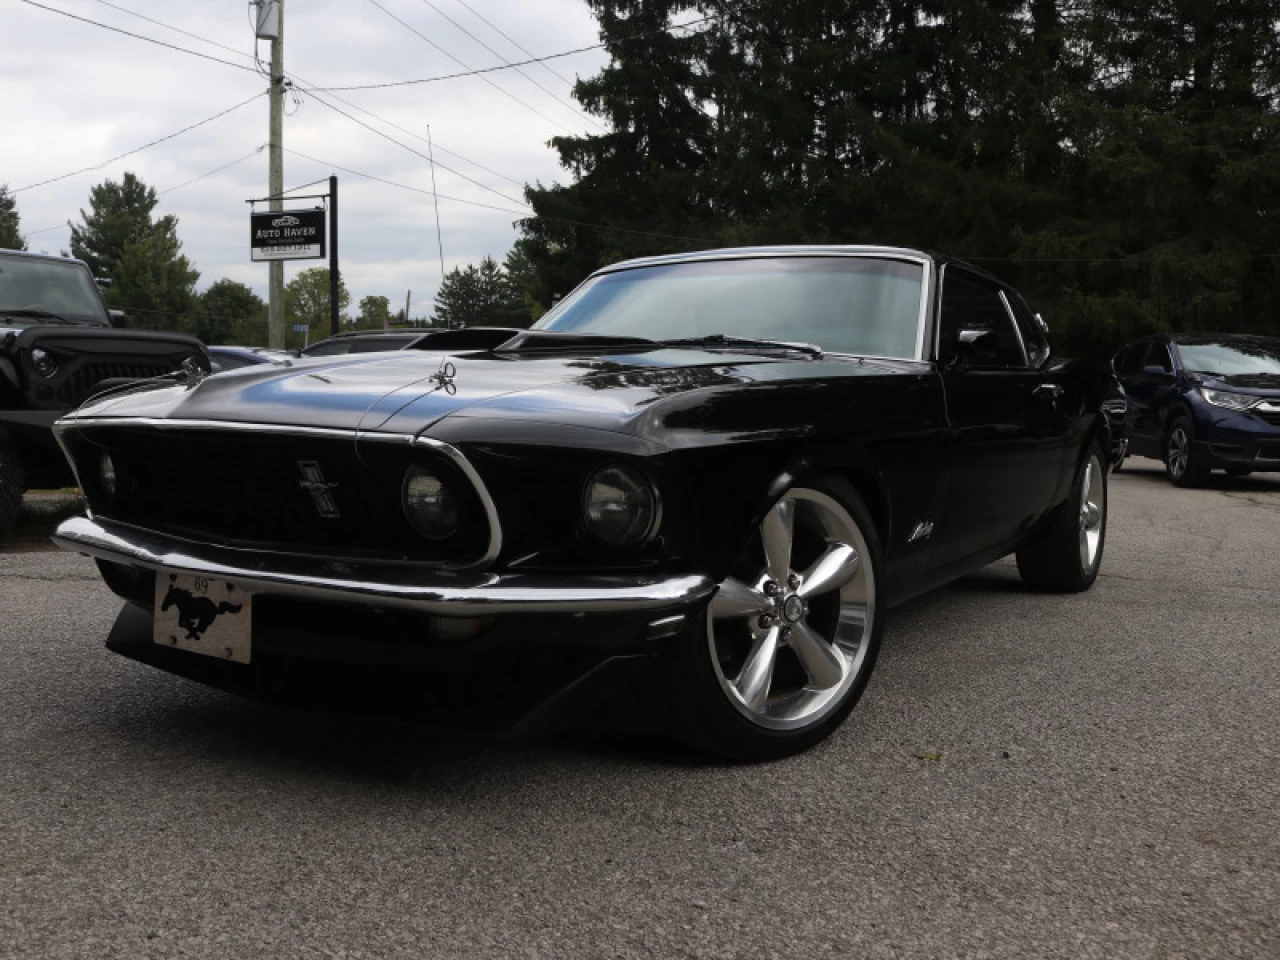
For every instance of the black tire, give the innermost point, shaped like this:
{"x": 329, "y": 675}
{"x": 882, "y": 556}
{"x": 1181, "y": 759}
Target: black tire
{"x": 1055, "y": 558}
{"x": 1238, "y": 471}
{"x": 690, "y": 688}
{"x": 12, "y": 485}
{"x": 1183, "y": 462}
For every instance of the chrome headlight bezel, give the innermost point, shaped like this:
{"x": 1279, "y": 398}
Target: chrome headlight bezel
{"x": 413, "y": 504}
{"x": 44, "y": 363}
{"x": 600, "y": 499}
{"x": 1238, "y": 402}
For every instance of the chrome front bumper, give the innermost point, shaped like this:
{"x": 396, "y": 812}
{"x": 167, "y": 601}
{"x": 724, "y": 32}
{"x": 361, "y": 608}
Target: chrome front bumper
{"x": 383, "y": 584}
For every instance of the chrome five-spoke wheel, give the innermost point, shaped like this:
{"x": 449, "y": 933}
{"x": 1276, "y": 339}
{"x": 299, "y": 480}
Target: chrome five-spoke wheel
{"x": 790, "y": 632}
{"x": 1179, "y": 452}
{"x": 1093, "y": 510}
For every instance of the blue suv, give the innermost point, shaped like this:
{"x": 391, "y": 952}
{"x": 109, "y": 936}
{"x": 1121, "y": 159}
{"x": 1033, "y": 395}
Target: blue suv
{"x": 1203, "y": 402}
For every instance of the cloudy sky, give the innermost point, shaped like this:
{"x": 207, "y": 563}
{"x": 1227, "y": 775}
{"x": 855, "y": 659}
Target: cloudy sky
{"x": 75, "y": 95}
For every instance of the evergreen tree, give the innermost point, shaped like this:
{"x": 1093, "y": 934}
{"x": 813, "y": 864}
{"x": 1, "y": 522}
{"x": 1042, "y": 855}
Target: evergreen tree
{"x": 10, "y": 225}
{"x": 119, "y": 213}
{"x": 480, "y": 296}
{"x": 375, "y": 313}
{"x": 154, "y": 283}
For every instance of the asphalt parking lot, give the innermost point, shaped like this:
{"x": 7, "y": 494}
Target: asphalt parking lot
{"x": 1027, "y": 776}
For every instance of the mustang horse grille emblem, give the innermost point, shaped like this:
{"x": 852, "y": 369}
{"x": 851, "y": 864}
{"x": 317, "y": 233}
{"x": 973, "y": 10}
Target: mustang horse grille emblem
{"x": 314, "y": 483}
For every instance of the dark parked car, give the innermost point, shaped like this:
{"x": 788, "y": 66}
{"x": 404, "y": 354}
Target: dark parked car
{"x": 1202, "y": 403}
{"x": 58, "y": 347}
{"x": 233, "y": 358}
{"x": 362, "y": 341}
{"x": 708, "y": 476}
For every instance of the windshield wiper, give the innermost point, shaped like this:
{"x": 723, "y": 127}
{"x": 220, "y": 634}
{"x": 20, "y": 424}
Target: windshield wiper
{"x": 720, "y": 340}
{"x": 41, "y": 314}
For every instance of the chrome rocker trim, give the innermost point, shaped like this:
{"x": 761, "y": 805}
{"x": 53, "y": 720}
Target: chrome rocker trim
{"x": 384, "y": 585}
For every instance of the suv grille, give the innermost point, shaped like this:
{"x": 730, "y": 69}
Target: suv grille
{"x": 246, "y": 489}
{"x": 80, "y": 385}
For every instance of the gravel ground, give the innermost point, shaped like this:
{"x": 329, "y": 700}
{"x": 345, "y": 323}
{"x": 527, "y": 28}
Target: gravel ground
{"x": 1027, "y": 776}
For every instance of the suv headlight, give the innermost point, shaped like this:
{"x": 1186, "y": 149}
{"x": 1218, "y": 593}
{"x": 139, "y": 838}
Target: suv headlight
{"x": 1231, "y": 401}
{"x": 431, "y": 508}
{"x": 620, "y": 506}
{"x": 45, "y": 365}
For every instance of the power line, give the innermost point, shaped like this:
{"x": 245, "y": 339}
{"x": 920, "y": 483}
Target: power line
{"x": 528, "y": 53}
{"x": 519, "y": 63}
{"x": 138, "y": 36}
{"x": 145, "y": 146}
{"x": 503, "y": 59}
{"x": 405, "y": 146}
{"x": 305, "y": 81}
{"x": 435, "y": 46}
{"x": 167, "y": 190}
{"x": 524, "y": 215}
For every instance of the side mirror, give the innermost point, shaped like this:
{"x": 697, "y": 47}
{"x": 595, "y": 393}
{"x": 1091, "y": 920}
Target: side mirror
{"x": 116, "y": 317}
{"x": 1155, "y": 370}
{"x": 977, "y": 346}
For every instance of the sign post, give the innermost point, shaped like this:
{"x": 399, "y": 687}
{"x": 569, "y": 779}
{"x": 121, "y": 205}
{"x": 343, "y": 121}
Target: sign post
{"x": 305, "y": 330}
{"x": 280, "y": 235}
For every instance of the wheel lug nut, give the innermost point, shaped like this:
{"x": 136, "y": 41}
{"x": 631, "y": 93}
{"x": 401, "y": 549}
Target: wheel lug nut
{"x": 771, "y": 589}
{"x": 793, "y": 582}
{"x": 766, "y": 621}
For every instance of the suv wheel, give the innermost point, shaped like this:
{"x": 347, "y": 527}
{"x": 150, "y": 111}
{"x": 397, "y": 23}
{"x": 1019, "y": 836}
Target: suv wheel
{"x": 1182, "y": 462}
{"x": 12, "y": 484}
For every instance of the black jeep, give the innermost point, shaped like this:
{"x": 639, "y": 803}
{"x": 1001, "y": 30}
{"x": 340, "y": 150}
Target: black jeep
{"x": 58, "y": 348}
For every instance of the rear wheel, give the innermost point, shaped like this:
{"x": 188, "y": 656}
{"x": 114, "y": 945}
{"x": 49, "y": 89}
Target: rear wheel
{"x": 1182, "y": 461}
{"x": 12, "y": 484}
{"x": 790, "y": 638}
{"x": 1067, "y": 554}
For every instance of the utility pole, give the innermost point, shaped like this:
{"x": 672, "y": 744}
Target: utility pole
{"x": 275, "y": 311}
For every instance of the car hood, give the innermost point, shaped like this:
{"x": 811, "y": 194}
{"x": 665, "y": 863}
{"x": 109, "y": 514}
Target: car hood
{"x": 1254, "y": 384}
{"x": 408, "y": 391}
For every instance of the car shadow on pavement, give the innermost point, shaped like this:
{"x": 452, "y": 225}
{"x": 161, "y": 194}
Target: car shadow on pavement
{"x": 1154, "y": 473}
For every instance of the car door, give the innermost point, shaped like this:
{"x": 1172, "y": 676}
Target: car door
{"x": 1150, "y": 384}
{"x": 1007, "y": 436}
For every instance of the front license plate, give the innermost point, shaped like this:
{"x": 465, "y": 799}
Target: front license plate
{"x": 203, "y": 615}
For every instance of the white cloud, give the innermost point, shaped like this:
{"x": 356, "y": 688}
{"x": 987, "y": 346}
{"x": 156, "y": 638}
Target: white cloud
{"x": 76, "y": 95}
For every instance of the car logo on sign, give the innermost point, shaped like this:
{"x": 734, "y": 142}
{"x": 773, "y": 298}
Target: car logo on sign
{"x": 321, "y": 491}
{"x": 285, "y": 222}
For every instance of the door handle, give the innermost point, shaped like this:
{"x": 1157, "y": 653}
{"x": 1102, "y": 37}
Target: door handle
{"x": 1048, "y": 391}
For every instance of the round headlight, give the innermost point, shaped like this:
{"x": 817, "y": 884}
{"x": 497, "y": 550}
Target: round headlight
{"x": 620, "y": 506}
{"x": 430, "y": 506}
{"x": 45, "y": 365}
{"x": 107, "y": 476}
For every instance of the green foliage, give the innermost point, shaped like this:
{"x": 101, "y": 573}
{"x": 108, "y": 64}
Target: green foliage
{"x": 306, "y": 300}
{"x": 119, "y": 214}
{"x": 375, "y": 313}
{"x": 10, "y": 223}
{"x": 1119, "y": 162}
{"x": 153, "y": 282}
{"x": 481, "y": 296}
{"x": 230, "y": 313}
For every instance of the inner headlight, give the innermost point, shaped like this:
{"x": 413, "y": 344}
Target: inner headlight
{"x": 45, "y": 365}
{"x": 107, "y": 476}
{"x": 620, "y": 507}
{"x": 1232, "y": 401}
{"x": 431, "y": 508}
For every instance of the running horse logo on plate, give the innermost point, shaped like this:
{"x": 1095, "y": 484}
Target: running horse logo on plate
{"x": 321, "y": 492}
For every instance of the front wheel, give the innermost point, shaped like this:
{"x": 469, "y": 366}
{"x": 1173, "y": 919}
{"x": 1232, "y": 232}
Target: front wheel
{"x": 1067, "y": 554}
{"x": 790, "y": 638}
{"x": 1182, "y": 461}
{"x": 12, "y": 485}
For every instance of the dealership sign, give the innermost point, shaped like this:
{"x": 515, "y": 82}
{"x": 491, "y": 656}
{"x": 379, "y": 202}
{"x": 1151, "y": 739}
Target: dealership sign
{"x": 287, "y": 235}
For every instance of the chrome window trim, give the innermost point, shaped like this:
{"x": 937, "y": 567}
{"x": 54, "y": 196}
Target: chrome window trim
{"x": 904, "y": 256}
{"x": 449, "y": 451}
{"x": 1017, "y": 332}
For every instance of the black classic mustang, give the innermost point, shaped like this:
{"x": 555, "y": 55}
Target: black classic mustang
{"x": 704, "y": 478}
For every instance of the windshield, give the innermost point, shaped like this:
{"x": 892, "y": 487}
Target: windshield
{"x": 1232, "y": 358}
{"x": 61, "y": 287}
{"x": 857, "y": 305}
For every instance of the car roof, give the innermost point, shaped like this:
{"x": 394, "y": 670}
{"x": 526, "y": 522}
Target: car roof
{"x": 28, "y": 255}
{"x": 352, "y": 334}
{"x": 801, "y": 250}
{"x": 1200, "y": 338}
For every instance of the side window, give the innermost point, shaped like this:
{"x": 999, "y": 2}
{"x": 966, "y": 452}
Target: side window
{"x": 970, "y": 303}
{"x": 1158, "y": 356}
{"x": 1129, "y": 360}
{"x": 1033, "y": 336}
